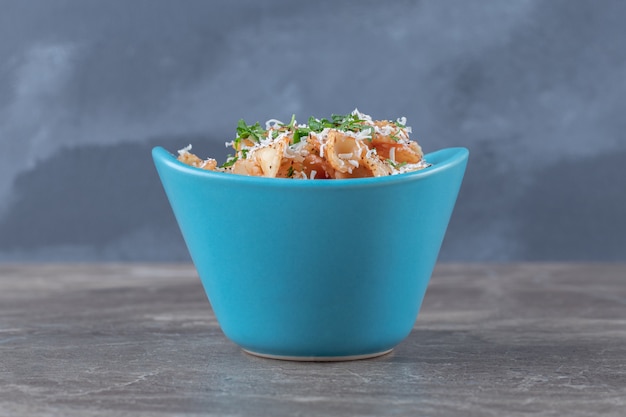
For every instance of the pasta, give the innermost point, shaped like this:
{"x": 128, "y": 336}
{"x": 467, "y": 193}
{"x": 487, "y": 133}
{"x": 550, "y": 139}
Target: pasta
{"x": 346, "y": 146}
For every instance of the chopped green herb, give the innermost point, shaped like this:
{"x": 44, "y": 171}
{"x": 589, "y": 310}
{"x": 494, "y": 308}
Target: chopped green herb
{"x": 395, "y": 164}
{"x": 230, "y": 160}
{"x": 292, "y": 123}
{"x": 290, "y": 172}
{"x": 315, "y": 125}
{"x": 300, "y": 133}
{"x": 253, "y": 132}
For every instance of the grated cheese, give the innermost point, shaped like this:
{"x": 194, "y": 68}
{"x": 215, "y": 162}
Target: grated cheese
{"x": 185, "y": 150}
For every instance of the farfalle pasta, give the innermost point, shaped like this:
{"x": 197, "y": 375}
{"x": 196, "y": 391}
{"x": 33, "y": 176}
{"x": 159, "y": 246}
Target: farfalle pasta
{"x": 344, "y": 146}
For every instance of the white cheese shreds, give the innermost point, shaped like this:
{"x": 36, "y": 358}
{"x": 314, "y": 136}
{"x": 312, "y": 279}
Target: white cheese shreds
{"x": 272, "y": 124}
{"x": 185, "y": 150}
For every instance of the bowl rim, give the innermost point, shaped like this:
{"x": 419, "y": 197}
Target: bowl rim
{"x": 440, "y": 160}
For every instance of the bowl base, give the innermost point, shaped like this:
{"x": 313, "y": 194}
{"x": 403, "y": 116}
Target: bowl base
{"x": 318, "y": 358}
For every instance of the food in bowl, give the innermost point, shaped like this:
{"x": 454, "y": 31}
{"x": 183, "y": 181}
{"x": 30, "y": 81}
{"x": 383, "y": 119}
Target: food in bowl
{"x": 314, "y": 270}
{"x": 344, "y": 146}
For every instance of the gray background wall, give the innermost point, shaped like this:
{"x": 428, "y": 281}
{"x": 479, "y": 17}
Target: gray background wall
{"x": 535, "y": 88}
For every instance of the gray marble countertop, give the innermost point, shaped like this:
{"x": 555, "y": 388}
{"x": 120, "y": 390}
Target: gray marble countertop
{"x": 141, "y": 340}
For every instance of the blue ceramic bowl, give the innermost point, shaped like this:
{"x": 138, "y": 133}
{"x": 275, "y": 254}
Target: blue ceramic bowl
{"x": 314, "y": 269}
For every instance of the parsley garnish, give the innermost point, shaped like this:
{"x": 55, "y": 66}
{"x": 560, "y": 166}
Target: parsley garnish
{"x": 350, "y": 122}
{"x": 316, "y": 125}
{"x": 253, "y": 132}
{"x": 230, "y": 160}
{"x": 299, "y": 133}
{"x": 395, "y": 164}
{"x": 292, "y": 123}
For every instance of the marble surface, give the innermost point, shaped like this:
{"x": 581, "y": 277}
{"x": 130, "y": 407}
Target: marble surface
{"x": 141, "y": 340}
